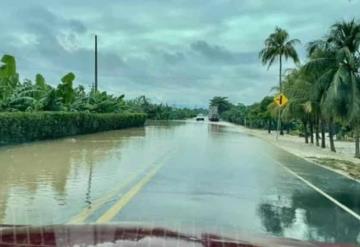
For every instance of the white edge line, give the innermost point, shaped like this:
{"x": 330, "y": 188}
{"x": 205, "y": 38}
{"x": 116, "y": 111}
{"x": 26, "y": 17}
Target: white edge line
{"x": 330, "y": 198}
{"x": 308, "y": 159}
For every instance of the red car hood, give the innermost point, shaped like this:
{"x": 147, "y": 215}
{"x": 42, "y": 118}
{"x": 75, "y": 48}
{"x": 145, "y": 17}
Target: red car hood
{"x": 113, "y": 235}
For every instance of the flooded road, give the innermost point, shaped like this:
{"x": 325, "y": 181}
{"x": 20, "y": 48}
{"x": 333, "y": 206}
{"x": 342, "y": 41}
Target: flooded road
{"x": 183, "y": 175}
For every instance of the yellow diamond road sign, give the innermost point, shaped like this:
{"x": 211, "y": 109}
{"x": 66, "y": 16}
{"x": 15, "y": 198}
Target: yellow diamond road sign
{"x": 281, "y": 100}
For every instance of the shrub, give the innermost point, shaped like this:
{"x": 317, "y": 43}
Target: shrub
{"x": 21, "y": 127}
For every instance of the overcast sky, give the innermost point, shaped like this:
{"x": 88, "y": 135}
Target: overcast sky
{"x": 179, "y": 52}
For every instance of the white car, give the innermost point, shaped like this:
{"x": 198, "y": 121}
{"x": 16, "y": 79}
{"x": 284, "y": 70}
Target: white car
{"x": 200, "y": 117}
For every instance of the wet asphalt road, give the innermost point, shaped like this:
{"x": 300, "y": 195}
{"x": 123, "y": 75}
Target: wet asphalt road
{"x": 187, "y": 176}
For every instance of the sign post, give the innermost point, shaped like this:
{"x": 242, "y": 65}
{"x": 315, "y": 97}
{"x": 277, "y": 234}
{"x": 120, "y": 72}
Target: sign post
{"x": 280, "y": 100}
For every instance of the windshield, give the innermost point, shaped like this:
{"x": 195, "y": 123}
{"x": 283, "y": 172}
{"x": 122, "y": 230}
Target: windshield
{"x": 234, "y": 118}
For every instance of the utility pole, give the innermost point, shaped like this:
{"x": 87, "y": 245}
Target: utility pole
{"x": 96, "y": 64}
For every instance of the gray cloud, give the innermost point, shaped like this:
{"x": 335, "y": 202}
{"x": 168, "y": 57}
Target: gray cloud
{"x": 179, "y": 52}
{"x": 173, "y": 58}
{"x": 218, "y": 53}
{"x": 215, "y": 53}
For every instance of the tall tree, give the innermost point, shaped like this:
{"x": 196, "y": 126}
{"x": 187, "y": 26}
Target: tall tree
{"x": 279, "y": 46}
{"x": 222, "y": 103}
{"x": 338, "y": 59}
{"x": 297, "y": 87}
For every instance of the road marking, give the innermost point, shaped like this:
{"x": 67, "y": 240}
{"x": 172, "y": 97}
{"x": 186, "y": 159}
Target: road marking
{"x": 308, "y": 159}
{"x": 331, "y": 169}
{"x": 327, "y": 196}
{"x": 86, "y": 212}
{"x": 127, "y": 197}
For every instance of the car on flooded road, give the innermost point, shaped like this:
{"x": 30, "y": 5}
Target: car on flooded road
{"x": 200, "y": 117}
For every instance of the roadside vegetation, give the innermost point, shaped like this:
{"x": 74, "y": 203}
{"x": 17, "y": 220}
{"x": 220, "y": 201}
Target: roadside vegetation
{"x": 39, "y": 95}
{"x": 36, "y": 110}
{"x": 323, "y": 92}
{"x": 18, "y": 127}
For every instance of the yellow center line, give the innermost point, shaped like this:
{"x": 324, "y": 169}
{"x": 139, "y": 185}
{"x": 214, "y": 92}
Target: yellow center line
{"x": 128, "y": 196}
{"x": 86, "y": 212}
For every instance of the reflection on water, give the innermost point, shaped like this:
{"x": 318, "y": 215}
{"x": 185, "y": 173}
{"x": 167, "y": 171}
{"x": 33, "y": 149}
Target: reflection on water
{"x": 88, "y": 190}
{"x": 213, "y": 174}
{"x": 49, "y": 171}
{"x": 166, "y": 123}
{"x": 275, "y": 218}
{"x": 307, "y": 217}
{"x": 342, "y": 189}
{"x": 215, "y": 129}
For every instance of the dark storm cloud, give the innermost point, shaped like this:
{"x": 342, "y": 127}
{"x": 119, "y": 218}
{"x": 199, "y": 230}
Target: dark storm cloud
{"x": 173, "y": 58}
{"x": 56, "y": 41}
{"x": 181, "y": 52}
{"x": 221, "y": 54}
{"x": 40, "y": 20}
{"x": 77, "y": 26}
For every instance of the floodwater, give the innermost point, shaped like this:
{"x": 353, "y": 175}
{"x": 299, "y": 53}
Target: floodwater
{"x": 177, "y": 174}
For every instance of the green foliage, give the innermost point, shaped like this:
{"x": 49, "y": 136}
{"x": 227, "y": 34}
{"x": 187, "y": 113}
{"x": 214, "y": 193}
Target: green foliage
{"x": 8, "y": 69}
{"x": 26, "y": 96}
{"x": 278, "y": 45}
{"x": 65, "y": 90}
{"x": 97, "y": 101}
{"x": 9, "y": 78}
{"x": 222, "y": 104}
{"x": 40, "y": 81}
{"x": 324, "y": 93}
{"x": 256, "y": 115}
{"x": 298, "y": 89}
{"x": 16, "y": 96}
{"x": 236, "y": 114}
{"x": 160, "y": 111}
{"x": 24, "y": 126}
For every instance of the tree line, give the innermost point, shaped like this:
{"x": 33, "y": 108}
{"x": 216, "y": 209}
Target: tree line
{"x": 323, "y": 92}
{"x": 37, "y": 96}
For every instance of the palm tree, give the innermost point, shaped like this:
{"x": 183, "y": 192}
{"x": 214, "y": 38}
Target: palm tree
{"x": 338, "y": 59}
{"x": 345, "y": 36}
{"x": 279, "y": 46}
{"x": 300, "y": 105}
{"x": 324, "y": 66}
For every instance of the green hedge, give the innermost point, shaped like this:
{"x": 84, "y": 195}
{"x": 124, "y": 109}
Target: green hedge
{"x": 25, "y": 126}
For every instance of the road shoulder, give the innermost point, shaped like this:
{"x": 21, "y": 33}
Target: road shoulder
{"x": 342, "y": 162}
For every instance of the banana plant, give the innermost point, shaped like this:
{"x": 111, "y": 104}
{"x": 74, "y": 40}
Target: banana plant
{"x": 9, "y": 78}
